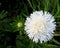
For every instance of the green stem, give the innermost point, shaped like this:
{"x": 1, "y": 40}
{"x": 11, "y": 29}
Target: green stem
{"x": 55, "y": 41}
{"x": 31, "y": 44}
{"x": 58, "y": 8}
{"x": 31, "y": 5}
{"x": 46, "y": 5}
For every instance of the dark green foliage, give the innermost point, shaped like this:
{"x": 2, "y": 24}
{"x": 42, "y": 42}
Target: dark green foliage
{"x": 14, "y": 11}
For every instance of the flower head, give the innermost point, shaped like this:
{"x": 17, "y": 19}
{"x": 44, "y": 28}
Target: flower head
{"x": 40, "y": 26}
{"x": 19, "y": 24}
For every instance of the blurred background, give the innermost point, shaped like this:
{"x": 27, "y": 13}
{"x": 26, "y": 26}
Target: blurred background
{"x": 13, "y": 14}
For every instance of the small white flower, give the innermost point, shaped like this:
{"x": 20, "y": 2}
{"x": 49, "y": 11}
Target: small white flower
{"x": 40, "y": 26}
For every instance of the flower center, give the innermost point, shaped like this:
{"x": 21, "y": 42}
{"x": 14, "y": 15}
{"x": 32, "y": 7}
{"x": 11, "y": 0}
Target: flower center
{"x": 19, "y": 24}
{"x": 38, "y": 25}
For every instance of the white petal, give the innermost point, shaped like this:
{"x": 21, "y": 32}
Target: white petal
{"x": 40, "y": 26}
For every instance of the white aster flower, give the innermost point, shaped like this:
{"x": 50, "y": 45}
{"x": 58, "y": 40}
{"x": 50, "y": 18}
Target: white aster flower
{"x": 40, "y": 26}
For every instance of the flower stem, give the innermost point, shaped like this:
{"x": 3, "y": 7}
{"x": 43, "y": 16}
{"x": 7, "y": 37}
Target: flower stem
{"x": 55, "y": 41}
{"x": 31, "y": 5}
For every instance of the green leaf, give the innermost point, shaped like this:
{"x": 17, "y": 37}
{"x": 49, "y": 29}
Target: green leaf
{"x": 3, "y": 14}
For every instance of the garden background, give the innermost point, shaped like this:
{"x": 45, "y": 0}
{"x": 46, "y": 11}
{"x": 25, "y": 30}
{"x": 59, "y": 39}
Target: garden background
{"x": 14, "y": 12}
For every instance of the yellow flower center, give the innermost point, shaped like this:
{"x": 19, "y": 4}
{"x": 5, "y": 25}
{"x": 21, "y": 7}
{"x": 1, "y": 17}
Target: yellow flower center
{"x": 19, "y": 24}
